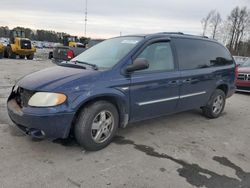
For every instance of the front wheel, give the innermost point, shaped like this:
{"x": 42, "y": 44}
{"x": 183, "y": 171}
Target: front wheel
{"x": 96, "y": 125}
{"x": 215, "y": 105}
{"x": 11, "y": 54}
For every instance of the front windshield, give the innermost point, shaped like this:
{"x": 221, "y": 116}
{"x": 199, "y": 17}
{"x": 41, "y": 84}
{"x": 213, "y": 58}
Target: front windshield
{"x": 246, "y": 64}
{"x": 72, "y": 39}
{"x": 19, "y": 34}
{"x": 109, "y": 52}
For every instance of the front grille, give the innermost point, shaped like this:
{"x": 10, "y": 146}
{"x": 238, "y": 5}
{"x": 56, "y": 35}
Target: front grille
{"x": 244, "y": 76}
{"x": 25, "y": 44}
{"x": 23, "y": 96}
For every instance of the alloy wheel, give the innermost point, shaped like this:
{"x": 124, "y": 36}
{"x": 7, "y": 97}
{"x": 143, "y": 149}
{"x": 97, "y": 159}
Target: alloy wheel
{"x": 102, "y": 126}
{"x": 218, "y": 104}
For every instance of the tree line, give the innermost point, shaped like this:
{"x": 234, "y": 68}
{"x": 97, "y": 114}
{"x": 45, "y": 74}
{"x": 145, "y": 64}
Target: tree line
{"x": 39, "y": 35}
{"x": 234, "y": 31}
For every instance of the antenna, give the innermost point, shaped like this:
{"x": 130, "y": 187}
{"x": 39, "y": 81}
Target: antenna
{"x": 86, "y": 18}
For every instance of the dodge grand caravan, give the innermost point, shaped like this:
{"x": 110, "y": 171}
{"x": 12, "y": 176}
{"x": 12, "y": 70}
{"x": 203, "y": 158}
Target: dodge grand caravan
{"x": 123, "y": 80}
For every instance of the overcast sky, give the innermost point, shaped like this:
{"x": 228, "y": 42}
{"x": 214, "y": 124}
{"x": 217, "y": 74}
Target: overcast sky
{"x": 107, "y": 18}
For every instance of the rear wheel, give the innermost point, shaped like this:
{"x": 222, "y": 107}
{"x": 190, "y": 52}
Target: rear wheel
{"x": 215, "y": 105}
{"x": 96, "y": 125}
{"x": 21, "y": 56}
{"x": 30, "y": 56}
{"x": 50, "y": 55}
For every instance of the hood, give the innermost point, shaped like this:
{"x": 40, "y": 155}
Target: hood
{"x": 244, "y": 70}
{"x": 52, "y": 78}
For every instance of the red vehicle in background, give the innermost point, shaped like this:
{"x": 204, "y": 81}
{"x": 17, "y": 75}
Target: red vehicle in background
{"x": 243, "y": 77}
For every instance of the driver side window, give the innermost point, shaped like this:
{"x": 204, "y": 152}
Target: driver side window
{"x": 159, "y": 56}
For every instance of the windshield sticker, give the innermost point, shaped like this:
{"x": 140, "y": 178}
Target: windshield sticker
{"x": 130, "y": 41}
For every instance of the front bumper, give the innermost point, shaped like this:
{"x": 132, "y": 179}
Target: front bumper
{"x": 243, "y": 86}
{"x": 51, "y": 125}
{"x": 243, "y": 89}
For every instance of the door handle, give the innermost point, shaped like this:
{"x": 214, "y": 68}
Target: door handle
{"x": 188, "y": 80}
{"x": 173, "y": 82}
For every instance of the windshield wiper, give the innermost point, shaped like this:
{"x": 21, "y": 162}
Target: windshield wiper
{"x": 94, "y": 66}
{"x": 73, "y": 65}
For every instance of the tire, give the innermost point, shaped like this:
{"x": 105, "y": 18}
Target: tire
{"x": 215, "y": 105}
{"x": 21, "y": 56}
{"x": 30, "y": 56}
{"x": 50, "y": 55}
{"x": 100, "y": 114}
{"x": 6, "y": 55}
{"x": 1, "y": 55}
{"x": 11, "y": 54}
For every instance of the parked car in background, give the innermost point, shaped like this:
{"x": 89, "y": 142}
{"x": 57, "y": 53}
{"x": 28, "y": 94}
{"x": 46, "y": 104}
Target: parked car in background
{"x": 120, "y": 81}
{"x": 239, "y": 60}
{"x": 62, "y": 53}
{"x": 243, "y": 77}
{"x": 70, "y": 49}
{"x": 38, "y": 44}
{"x": 4, "y": 41}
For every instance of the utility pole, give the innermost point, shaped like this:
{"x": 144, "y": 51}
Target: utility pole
{"x": 86, "y": 18}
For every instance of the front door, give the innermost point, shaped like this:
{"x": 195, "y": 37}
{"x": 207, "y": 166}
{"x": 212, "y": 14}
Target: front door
{"x": 154, "y": 91}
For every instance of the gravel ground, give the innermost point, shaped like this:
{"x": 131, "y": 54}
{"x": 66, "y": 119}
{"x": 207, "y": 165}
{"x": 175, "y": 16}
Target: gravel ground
{"x": 183, "y": 150}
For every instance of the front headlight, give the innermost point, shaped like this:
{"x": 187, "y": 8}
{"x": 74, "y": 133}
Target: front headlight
{"x": 45, "y": 99}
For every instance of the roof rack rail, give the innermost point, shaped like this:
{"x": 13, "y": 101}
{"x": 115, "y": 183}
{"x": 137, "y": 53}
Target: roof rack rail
{"x": 181, "y": 33}
{"x": 178, "y": 33}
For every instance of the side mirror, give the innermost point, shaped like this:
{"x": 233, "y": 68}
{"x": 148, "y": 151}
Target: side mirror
{"x": 138, "y": 64}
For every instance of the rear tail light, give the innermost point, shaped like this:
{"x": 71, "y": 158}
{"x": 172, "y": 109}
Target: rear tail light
{"x": 70, "y": 54}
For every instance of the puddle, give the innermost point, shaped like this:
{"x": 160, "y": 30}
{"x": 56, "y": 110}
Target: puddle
{"x": 193, "y": 173}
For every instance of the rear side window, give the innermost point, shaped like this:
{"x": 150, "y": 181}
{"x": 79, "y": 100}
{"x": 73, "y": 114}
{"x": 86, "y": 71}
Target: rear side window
{"x": 195, "y": 54}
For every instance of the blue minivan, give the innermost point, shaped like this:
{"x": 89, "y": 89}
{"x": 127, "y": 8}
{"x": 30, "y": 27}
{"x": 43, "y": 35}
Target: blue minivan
{"x": 123, "y": 80}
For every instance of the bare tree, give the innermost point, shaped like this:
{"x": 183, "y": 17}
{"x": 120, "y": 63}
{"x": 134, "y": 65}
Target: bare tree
{"x": 238, "y": 20}
{"x": 234, "y": 32}
{"x": 232, "y": 21}
{"x": 215, "y": 22}
{"x": 222, "y": 32}
{"x": 243, "y": 22}
{"x": 205, "y": 21}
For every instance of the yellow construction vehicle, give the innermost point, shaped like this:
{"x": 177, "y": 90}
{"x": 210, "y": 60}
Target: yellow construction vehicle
{"x": 19, "y": 46}
{"x": 1, "y": 50}
{"x": 72, "y": 41}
